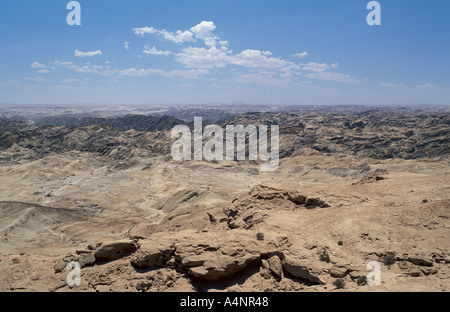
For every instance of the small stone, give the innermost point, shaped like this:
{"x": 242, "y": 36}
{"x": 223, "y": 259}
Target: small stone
{"x": 429, "y": 271}
{"x": 438, "y": 257}
{"x": 86, "y": 259}
{"x": 265, "y": 269}
{"x": 60, "y": 266}
{"x": 198, "y": 272}
{"x": 414, "y": 273}
{"x": 143, "y": 286}
{"x": 276, "y": 266}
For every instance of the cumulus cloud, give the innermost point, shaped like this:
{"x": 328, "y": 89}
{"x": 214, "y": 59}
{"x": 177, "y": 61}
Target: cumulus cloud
{"x": 258, "y": 59}
{"x": 37, "y": 65}
{"x": 216, "y": 54}
{"x": 155, "y": 51}
{"x": 200, "y": 50}
{"x": 176, "y": 37}
{"x": 84, "y": 54}
{"x": 144, "y": 30}
{"x": 202, "y": 31}
{"x": 315, "y": 67}
{"x": 194, "y": 57}
{"x": 301, "y": 55}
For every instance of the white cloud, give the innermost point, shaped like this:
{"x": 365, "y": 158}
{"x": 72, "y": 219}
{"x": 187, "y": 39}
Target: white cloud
{"x": 88, "y": 68}
{"x": 301, "y": 55}
{"x": 204, "y": 31}
{"x": 257, "y": 59}
{"x": 83, "y": 54}
{"x": 43, "y": 71}
{"x": 133, "y": 72}
{"x": 144, "y": 30}
{"x": 249, "y": 65}
{"x": 315, "y": 67}
{"x": 155, "y": 51}
{"x": 176, "y": 37}
{"x": 37, "y": 65}
{"x": 194, "y": 57}
{"x": 427, "y": 86}
{"x": 215, "y": 54}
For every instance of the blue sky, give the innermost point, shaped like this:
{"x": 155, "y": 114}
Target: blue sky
{"x": 217, "y": 51}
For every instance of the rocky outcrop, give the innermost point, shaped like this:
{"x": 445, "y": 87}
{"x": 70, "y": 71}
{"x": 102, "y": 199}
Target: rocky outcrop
{"x": 248, "y": 210}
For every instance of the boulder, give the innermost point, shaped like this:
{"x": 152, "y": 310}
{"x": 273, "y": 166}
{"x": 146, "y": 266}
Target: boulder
{"x": 300, "y": 268}
{"x": 114, "y": 250}
{"x": 152, "y": 254}
{"x": 222, "y": 267}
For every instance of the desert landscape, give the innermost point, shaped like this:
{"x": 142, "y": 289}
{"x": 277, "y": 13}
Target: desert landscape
{"x": 97, "y": 185}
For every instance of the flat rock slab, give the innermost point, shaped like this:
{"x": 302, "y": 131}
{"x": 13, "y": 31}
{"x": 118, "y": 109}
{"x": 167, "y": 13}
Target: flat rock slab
{"x": 114, "y": 250}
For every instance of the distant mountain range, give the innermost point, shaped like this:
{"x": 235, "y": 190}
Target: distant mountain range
{"x": 128, "y": 122}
